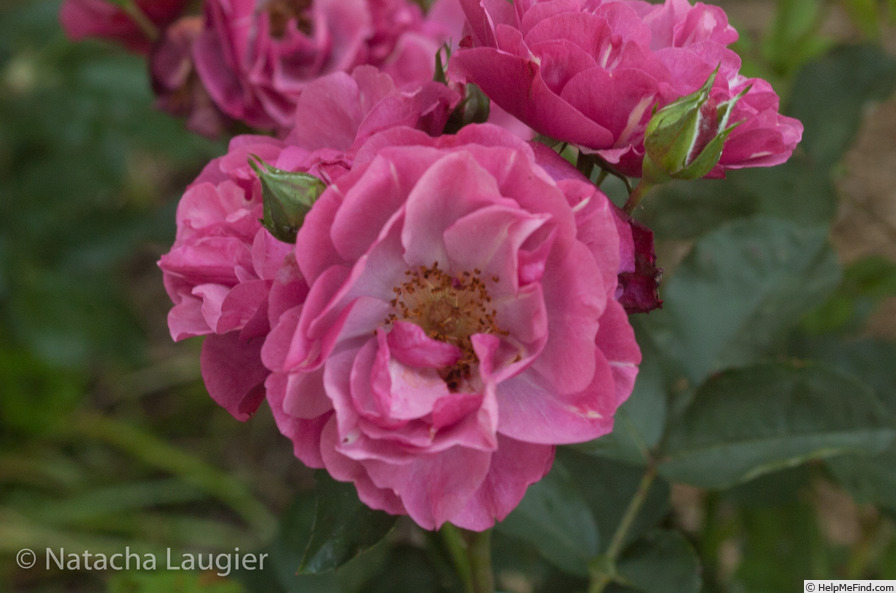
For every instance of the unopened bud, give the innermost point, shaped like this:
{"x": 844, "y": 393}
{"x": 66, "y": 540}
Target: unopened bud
{"x": 473, "y": 109}
{"x": 287, "y": 197}
{"x": 684, "y": 139}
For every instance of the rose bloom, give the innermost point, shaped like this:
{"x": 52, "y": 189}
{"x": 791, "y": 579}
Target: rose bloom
{"x": 637, "y": 289}
{"x": 174, "y": 81}
{"x": 255, "y": 57}
{"x": 223, "y": 263}
{"x": 101, "y": 18}
{"x": 591, "y": 72}
{"x": 460, "y": 322}
{"x": 220, "y": 269}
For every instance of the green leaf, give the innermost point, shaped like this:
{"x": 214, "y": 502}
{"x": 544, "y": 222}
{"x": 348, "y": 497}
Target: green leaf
{"x": 776, "y": 488}
{"x": 865, "y": 283}
{"x": 794, "y": 38}
{"x": 608, "y": 487}
{"x": 869, "y": 359}
{"x": 800, "y": 190}
{"x": 868, "y": 478}
{"x": 750, "y": 421}
{"x": 848, "y": 78}
{"x": 408, "y": 570}
{"x": 661, "y": 561}
{"x": 512, "y": 556}
{"x": 685, "y": 210}
{"x": 343, "y": 526}
{"x": 286, "y": 549}
{"x": 554, "y": 517}
{"x": 740, "y": 289}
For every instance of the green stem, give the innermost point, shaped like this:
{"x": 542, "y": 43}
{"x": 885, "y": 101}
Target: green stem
{"x": 585, "y": 164}
{"x": 600, "y": 580}
{"x": 479, "y": 551}
{"x": 456, "y": 545}
{"x": 634, "y": 198}
{"x": 607, "y": 168}
{"x": 471, "y": 554}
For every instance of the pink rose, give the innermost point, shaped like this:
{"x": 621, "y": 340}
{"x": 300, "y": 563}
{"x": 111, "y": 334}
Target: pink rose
{"x": 177, "y": 87}
{"x": 223, "y": 263}
{"x": 101, "y": 18}
{"x": 340, "y": 112}
{"x": 638, "y": 278}
{"x": 460, "y": 322}
{"x": 221, "y": 268}
{"x": 255, "y": 58}
{"x": 591, "y": 72}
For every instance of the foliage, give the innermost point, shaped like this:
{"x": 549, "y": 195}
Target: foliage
{"x": 760, "y": 389}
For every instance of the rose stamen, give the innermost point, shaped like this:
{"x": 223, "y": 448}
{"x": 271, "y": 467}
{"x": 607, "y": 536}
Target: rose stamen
{"x": 449, "y": 308}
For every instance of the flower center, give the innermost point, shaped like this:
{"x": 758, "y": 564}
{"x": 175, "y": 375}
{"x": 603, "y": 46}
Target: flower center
{"x": 449, "y": 309}
{"x": 281, "y": 11}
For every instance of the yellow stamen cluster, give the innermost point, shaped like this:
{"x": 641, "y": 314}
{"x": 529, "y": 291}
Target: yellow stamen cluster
{"x": 449, "y": 309}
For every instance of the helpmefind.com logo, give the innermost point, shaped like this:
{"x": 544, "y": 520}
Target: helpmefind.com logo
{"x": 61, "y": 559}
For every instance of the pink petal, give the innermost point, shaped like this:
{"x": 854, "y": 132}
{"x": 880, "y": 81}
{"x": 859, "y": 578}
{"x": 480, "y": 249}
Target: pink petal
{"x": 561, "y": 418}
{"x": 410, "y": 346}
{"x": 575, "y": 298}
{"x": 516, "y": 85}
{"x": 345, "y": 469}
{"x": 514, "y": 467}
{"x": 434, "y": 488}
{"x": 616, "y": 342}
{"x": 233, "y": 373}
{"x": 449, "y": 189}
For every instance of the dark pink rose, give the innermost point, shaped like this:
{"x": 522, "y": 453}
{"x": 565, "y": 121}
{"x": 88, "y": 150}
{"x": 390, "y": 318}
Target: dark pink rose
{"x": 460, "y": 322}
{"x": 591, "y": 72}
{"x": 341, "y": 111}
{"x": 221, "y": 268}
{"x": 223, "y": 264}
{"x": 101, "y": 18}
{"x": 177, "y": 87}
{"x": 255, "y": 58}
{"x": 638, "y": 277}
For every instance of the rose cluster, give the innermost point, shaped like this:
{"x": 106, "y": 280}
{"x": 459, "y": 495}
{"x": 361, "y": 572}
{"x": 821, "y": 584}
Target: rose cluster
{"x": 430, "y": 302}
{"x": 248, "y": 61}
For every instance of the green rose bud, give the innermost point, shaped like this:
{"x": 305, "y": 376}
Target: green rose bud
{"x": 684, "y": 139}
{"x": 473, "y": 108}
{"x": 287, "y": 197}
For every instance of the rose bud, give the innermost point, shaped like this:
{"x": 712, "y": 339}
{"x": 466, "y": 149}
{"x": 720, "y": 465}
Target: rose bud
{"x": 287, "y": 197}
{"x": 684, "y": 139}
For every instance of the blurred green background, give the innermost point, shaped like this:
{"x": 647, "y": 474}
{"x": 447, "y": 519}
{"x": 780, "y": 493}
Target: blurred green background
{"x": 107, "y": 438}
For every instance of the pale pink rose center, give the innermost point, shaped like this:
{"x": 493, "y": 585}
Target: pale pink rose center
{"x": 449, "y": 309}
{"x": 282, "y": 11}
